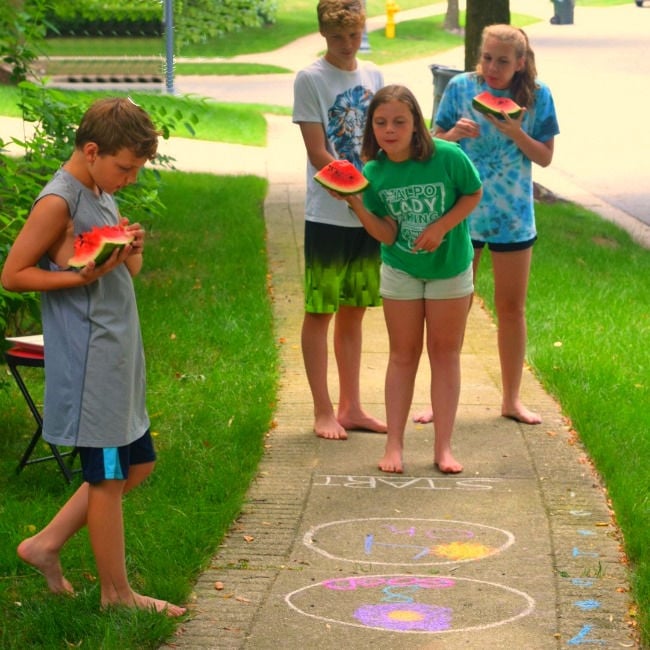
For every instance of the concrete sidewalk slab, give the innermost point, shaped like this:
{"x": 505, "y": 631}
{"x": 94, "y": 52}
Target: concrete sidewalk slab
{"x": 519, "y": 551}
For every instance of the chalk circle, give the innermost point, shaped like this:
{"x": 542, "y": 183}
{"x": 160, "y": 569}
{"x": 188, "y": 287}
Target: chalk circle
{"x": 402, "y": 541}
{"x": 414, "y": 604}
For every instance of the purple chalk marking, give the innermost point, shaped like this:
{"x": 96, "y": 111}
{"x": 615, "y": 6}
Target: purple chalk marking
{"x": 400, "y": 617}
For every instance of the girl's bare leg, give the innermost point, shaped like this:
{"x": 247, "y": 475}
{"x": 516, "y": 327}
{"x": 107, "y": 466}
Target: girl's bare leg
{"x": 511, "y": 273}
{"x": 405, "y": 324}
{"x": 446, "y": 321}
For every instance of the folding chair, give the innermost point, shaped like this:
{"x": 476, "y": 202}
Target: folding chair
{"x": 33, "y": 358}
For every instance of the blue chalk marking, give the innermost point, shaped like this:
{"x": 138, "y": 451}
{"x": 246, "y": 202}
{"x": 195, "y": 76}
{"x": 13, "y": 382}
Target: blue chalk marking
{"x": 582, "y": 582}
{"x": 587, "y": 605}
{"x": 581, "y": 637}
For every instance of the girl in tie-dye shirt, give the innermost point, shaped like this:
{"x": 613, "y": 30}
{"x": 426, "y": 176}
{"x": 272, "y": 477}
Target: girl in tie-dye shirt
{"x": 503, "y": 150}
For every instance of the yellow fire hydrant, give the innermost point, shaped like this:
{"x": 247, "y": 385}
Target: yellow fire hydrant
{"x": 391, "y": 9}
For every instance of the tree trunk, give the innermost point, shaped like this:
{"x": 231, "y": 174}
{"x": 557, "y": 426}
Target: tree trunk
{"x": 452, "y": 18}
{"x": 479, "y": 14}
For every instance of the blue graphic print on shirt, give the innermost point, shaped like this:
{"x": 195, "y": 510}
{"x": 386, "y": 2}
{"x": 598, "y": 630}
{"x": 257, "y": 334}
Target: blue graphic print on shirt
{"x": 346, "y": 120}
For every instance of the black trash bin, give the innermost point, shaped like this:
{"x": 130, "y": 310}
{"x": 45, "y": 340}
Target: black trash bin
{"x": 441, "y": 76}
{"x": 563, "y": 12}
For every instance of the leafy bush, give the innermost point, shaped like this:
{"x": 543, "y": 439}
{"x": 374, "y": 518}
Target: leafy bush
{"x": 198, "y": 21}
{"x": 55, "y": 115}
{"x": 195, "y": 20}
{"x": 106, "y": 18}
{"x": 22, "y": 30}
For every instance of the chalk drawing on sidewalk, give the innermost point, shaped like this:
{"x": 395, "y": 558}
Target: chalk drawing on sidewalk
{"x": 401, "y": 541}
{"x": 355, "y": 482}
{"x": 421, "y": 604}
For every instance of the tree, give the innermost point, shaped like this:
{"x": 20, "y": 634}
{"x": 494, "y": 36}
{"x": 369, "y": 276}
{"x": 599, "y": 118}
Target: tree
{"x": 479, "y": 14}
{"x": 452, "y": 18}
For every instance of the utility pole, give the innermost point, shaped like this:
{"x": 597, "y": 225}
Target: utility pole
{"x": 365, "y": 44}
{"x": 169, "y": 47}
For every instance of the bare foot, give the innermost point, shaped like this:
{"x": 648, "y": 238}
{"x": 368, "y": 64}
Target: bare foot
{"x": 423, "y": 417}
{"x": 147, "y": 602}
{"x": 362, "y": 422}
{"x": 391, "y": 463}
{"x": 47, "y": 563}
{"x": 447, "y": 464}
{"x": 328, "y": 427}
{"x": 519, "y": 413}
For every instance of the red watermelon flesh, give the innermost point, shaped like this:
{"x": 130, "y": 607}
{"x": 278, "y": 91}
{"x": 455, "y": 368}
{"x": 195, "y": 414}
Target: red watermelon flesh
{"x": 489, "y": 104}
{"x": 97, "y": 245}
{"x": 342, "y": 176}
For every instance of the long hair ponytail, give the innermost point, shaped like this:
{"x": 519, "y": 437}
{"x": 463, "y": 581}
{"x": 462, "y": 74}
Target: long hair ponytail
{"x": 524, "y": 82}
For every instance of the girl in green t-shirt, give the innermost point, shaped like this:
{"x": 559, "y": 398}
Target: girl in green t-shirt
{"x": 420, "y": 193}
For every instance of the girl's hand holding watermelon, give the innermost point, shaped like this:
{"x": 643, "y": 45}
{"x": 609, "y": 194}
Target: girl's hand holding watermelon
{"x": 507, "y": 125}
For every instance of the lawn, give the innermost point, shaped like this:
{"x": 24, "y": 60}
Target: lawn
{"x": 206, "y": 314}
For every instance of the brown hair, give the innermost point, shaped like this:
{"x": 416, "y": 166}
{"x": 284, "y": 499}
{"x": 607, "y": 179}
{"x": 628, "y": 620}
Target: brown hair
{"x": 116, "y": 123}
{"x": 335, "y": 14}
{"x": 421, "y": 144}
{"x": 523, "y": 83}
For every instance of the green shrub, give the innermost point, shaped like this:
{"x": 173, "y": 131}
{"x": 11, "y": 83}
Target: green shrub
{"x": 195, "y": 20}
{"x": 105, "y": 18}
{"x": 55, "y": 114}
{"x": 22, "y": 31}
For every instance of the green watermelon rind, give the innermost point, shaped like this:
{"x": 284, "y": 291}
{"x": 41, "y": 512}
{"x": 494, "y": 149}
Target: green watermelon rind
{"x": 100, "y": 255}
{"x": 324, "y": 178}
{"x": 480, "y": 106}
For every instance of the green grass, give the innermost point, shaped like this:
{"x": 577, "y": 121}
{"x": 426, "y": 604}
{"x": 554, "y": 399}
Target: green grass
{"x": 205, "y": 314}
{"x": 227, "y": 69}
{"x": 588, "y": 326}
{"x": 232, "y": 123}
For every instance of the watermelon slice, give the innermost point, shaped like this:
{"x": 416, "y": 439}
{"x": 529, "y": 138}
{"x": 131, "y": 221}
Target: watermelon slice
{"x": 489, "y": 104}
{"x": 98, "y": 244}
{"x": 342, "y": 176}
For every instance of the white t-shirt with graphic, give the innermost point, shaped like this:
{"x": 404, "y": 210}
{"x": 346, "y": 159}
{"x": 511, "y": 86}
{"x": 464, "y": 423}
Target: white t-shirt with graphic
{"x": 337, "y": 99}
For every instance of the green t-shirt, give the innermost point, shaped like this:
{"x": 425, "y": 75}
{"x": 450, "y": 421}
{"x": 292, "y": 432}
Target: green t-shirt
{"x": 415, "y": 194}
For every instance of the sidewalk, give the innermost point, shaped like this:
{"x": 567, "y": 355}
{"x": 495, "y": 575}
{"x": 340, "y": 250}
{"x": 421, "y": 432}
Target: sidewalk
{"x": 517, "y": 552}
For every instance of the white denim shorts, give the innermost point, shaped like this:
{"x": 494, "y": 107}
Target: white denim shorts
{"x": 399, "y": 285}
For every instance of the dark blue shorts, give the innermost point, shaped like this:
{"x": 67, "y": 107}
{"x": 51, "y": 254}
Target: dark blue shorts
{"x": 112, "y": 463}
{"x": 505, "y": 248}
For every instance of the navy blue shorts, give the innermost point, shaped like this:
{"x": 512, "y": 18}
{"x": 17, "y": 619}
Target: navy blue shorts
{"x": 112, "y": 463}
{"x": 505, "y": 248}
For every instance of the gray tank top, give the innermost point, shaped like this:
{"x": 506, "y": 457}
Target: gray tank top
{"x": 94, "y": 359}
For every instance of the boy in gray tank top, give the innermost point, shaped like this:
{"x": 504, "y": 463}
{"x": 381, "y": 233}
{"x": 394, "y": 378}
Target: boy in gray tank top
{"x": 94, "y": 359}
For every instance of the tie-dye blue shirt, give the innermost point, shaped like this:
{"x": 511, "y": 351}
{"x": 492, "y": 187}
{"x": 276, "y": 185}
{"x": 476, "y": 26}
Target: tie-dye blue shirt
{"x": 506, "y": 212}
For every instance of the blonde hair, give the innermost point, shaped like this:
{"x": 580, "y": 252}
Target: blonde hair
{"x": 524, "y": 83}
{"x": 337, "y": 14}
{"x": 421, "y": 143}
